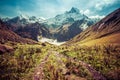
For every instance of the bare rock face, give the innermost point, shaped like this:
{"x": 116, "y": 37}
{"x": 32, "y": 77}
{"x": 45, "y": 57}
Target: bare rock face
{"x": 33, "y": 30}
{"x": 67, "y": 32}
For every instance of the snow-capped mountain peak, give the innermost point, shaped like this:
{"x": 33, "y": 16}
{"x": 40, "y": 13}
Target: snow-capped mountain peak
{"x": 68, "y": 17}
{"x": 5, "y": 19}
{"x": 24, "y": 19}
{"x": 31, "y": 19}
{"x": 74, "y": 10}
{"x": 22, "y": 16}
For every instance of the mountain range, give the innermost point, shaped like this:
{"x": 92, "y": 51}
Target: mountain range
{"x": 68, "y": 25}
{"x": 62, "y": 27}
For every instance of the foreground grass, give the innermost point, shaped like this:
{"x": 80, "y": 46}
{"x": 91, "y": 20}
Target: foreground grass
{"x": 63, "y": 62}
{"x": 104, "y": 59}
{"x": 20, "y": 64}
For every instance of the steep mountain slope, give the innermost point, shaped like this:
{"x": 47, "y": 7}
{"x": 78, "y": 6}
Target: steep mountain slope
{"x": 8, "y": 35}
{"x": 109, "y": 26}
{"x": 27, "y": 27}
{"x": 67, "y": 31}
{"x": 33, "y": 30}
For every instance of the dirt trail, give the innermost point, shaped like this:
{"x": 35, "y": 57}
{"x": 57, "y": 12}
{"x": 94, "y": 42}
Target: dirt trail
{"x": 63, "y": 66}
{"x": 39, "y": 74}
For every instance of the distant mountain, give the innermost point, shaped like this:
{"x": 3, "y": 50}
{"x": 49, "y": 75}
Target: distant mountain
{"x": 27, "y": 27}
{"x": 25, "y": 19}
{"x": 22, "y": 20}
{"x": 105, "y": 31}
{"x": 33, "y": 30}
{"x": 67, "y": 31}
{"x": 5, "y": 19}
{"x": 65, "y": 26}
{"x": 68, "y": 17}
{"x": 8, "y": 35}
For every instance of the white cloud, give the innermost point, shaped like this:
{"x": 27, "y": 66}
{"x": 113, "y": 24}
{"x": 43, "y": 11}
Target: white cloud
{"x": 86, "y": 12}
{"x": 98, "y": 6}
{"x": 101, "y": 3}
{"x": 81, "y": 11}
{"x": 97, "y": 16}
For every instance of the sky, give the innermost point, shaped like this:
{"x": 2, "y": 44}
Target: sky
{"x": 50, "y": 8}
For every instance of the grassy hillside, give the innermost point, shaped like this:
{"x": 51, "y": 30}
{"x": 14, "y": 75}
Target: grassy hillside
{"x": 111, "y": 39}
